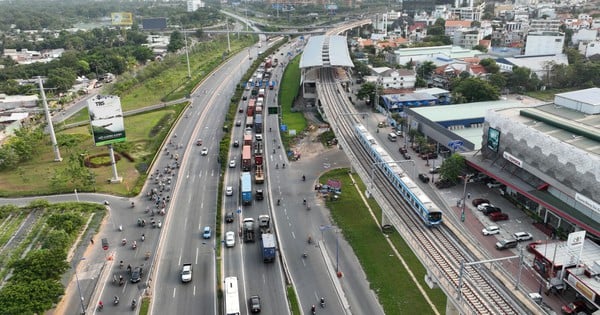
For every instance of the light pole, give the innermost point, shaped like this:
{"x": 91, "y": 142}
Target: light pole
{"x": 465, "y": 179}
{"x": 76, "y": 195}
{"x": 187, "y": 56}
{"x": 79, "y": 289}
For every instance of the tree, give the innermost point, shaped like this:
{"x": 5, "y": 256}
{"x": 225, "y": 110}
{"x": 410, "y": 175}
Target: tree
{"x": 367, "y": 91}
{"x": 176, "y": 42}
{"x": 498, "y": 80}
{"x": 453, "y": 167}
{"x": 425, "y": 69}
{"x": 476, "y": 90}
{"x": 490, "y": 65}
{"x": 61, "y": 79}
{"x": 362, "y": 68}
{"x": 480, "y": 48}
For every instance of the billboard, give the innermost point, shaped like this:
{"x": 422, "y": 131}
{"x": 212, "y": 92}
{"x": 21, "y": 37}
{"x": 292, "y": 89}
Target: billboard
{"x": 106, "y": 118}
{"x": 121, "y": 18}
{"x": 493, "y": 140}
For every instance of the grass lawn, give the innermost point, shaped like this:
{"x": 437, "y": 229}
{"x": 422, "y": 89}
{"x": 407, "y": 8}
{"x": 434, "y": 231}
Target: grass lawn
{"x": 290, "y": 84}
{"x": 33, "y": 177}
{"x": 394, "y": 287}
{"x": 548, "y": 95}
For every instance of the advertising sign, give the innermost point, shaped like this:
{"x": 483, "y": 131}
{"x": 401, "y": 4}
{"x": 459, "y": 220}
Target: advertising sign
{"x": 121, "y": 18}
{"x": 106, "y": 117}
{"x": 493, "y": 140}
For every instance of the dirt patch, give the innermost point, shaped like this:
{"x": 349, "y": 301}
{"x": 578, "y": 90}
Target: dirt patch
{"x": 309, "y": 145}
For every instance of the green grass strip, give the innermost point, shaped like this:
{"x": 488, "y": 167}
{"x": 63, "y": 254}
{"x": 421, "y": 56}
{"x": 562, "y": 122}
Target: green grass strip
{"x": 395, "y": 289}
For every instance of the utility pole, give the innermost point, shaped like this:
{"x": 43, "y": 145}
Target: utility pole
{"x": 57, "y": 157}
{"x": 187, "y": 56}
{"x": 228, "y": 42}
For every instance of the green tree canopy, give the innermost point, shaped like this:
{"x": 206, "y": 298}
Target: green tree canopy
{"x": 453, "y": 167}
{"x": 475, "y": 90}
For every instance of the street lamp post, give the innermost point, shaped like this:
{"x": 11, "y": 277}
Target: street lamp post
{"x": 79, "y": 289}
{"x": 465, "y": 179}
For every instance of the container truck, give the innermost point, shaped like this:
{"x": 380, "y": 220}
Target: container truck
{"x": 246, "y": 188}
{"x": 246, "y": 158}
{"x": 258, "y": 153}
{"x": 258, "y": 123}
{"x": 268, "y": 247}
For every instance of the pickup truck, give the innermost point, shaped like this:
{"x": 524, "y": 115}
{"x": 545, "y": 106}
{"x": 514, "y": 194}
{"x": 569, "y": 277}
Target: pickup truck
{"x": 186, "y": 273}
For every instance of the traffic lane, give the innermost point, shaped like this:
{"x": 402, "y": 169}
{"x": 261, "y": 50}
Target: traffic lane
{"x": 264, "y": 280}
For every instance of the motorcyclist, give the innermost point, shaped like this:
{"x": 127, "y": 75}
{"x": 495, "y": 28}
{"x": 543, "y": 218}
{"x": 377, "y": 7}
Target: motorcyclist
{"x": 133, "y": 304}
{"x": 303, "y": 178}
{"x": 100, "y": 305}
{"x": 116, "y": 300}
{"x": 278, "y": 202}
{"x": 304, "y": 201}
{"x": 134, "y": 245}
{"x": 143, "y": 237}
{"x": 283, "y": 165}
{"x": 124, "y": 241}
{"x": 132, "y": 204}
{"x": 121, "y": 264}
{"x": 313, "y": 309}
{"x": 322, "y": 302}
{"x": 277, "y": 166}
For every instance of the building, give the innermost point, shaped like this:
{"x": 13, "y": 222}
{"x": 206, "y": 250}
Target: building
{"x": 471, "y": 12}
{"x": 540, "y": 65}
{"x": 452, "y": 26}
{"x": 544, "y": 25}
{"x": 389, "y": 78}
{"x": 439, "y": 55}
{"x": 467, "y": 37}
{"x": 548, "y": 156}
{"x": 412, "y": 7}
{"x": 8, "y": 102}
{"x": 544, "y": 43}
{"x": 394, "y": 103}
{"x": 193, "y": 5}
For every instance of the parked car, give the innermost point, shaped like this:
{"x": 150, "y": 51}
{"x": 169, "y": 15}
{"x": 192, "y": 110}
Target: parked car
{"x": 482, "y": 206}
{"x": 230, "y": 239}
{"x": 494, "y": 185}
{"x": 522, "y": 236}
{"x": 136, "y": 274}
{"x": 490, "y": 230}
{"x": 229, "y": 217}
{"x": 240, "y": 110}
{"x": 444, "y": 183}
{"x": 424, "y": 178}
{"x": 477, "y": 201}
{"x": 254, "y": 302}
{"x": 506, "y": 244}
{"x": 491, "y": 209}
{"x": 498, "y": 216}
{"x": 434, "y": 170}
{"x": 206, "y": 232}
{"x": 574, "y": 307}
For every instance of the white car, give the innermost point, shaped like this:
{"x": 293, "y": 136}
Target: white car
{"x": 230, "y": 239}
{"x": 522, "y": 236}
{"x": 482, "y": 206}
{"x": 229, "y": 191}
{"x": 490, "y": 230}
{"x": 232, "y": 164}
{"x": 204, "y": 151}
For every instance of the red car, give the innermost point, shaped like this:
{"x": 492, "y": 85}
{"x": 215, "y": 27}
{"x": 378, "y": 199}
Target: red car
{"x": 498, "y": 216}
{"x": 574, "y": 307}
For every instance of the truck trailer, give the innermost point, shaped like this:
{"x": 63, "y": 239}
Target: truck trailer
{"x": 259, "y": 175}
{"x": 246, "y": 188}
{"x": 268, "y": 247}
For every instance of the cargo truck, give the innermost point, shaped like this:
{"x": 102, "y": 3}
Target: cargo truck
{"x": 248, "y": 230}
{"x": 258, "y": 153}
{"x": 264, "y": 222}
{"x": 246, "y": 158}
{"x": 268, "y": 247}
{"x": 258, "y": 123}
{"x": 246, "y": 188}
{"x": 259, "y": 175}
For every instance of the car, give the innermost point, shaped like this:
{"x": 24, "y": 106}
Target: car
{"x": 204, "y": 151}
{"x": 522, "y": 236}
{"x": 238, "y": 123}
{"x": 506, "y": 244}
{"x": 254, "y": 302}
{"x": 136, "y": 275}
{"x": 482, "y": 206}
{"x": 232, "y": 164}
{"x": 199, "y": 142}
{"x": 186, "y": 273}
{"x": 494, "y": 185}
{"x": 236, "y": 143}
{"x": 477, "y": 201}
{"x": 574, "y": 307}
{"x": 424, "y": 178}
{"x": 444, "y": 183}
{"x": 206, "y": 233}
{"x": 229, "y": 191}
{"x": 490, "y": 230}
{"x": 245, "y": 97}
{"x": 258, "y": 137}
{"x": 434, "y": 170}
{"x": 498, "y": 216}
{"x": 229, "y": 217}
{"x": 230, "y": 239}
{"x": 491, "y": 209}
{"x": 240, "y": 110}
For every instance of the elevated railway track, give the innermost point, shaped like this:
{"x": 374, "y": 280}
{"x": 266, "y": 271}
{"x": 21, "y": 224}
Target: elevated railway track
{"x": 479, "y": 291}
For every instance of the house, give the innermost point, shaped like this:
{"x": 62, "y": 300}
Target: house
{"x": 454, "y": 25}
{"x": 389, "y": 78}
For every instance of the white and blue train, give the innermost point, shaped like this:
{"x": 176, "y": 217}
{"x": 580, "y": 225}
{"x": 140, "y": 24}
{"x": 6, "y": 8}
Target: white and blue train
{"x": 420, "y": 203}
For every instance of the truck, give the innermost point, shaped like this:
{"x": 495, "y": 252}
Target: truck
{"x": 261, "y": 92}
{"x": 250, "y": 121}
{"x": 258, "y": 123}
{"x": 247, "y": 139}
{"x": 250, "y": 108}
{"x": 186, "y": 273}
{"x": 268, "y": 247}
{"x": 258, "y": 153}
{"x": 264, "y": 223}
{"x": 246, "y": 158}
{"x": 246, "y": 188}
{"x": 259, "y": 110}
{"x": 259, "y": 176}
{"x": 248, "y": 230}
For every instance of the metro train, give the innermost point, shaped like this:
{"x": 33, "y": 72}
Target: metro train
{"x": 419, "y": 202}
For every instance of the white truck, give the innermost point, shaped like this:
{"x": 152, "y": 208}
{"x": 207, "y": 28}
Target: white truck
{"x": 186, "y": 273}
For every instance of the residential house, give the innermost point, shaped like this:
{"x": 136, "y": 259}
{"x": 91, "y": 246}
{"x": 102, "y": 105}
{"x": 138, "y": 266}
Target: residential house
{"x": 389, "y": 78}
{"x": 454, "y": 25}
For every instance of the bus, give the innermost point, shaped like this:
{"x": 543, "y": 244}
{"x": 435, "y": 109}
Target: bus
{"x": 232, "y": 299}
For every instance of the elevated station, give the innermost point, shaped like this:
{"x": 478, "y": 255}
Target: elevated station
{"x": 326, "y": 51}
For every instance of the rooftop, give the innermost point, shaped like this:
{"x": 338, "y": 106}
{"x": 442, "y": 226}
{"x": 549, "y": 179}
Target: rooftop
{"x": 326, "y": 51}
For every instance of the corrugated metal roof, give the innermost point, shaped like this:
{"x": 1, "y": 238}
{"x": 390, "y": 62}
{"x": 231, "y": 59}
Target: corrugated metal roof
{"x": 463, "y": 111}
{"x": 324, "y": 51}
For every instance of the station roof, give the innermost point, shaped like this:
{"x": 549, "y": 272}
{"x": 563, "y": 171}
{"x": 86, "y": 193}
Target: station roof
{"x": 326, "y": 51}
{"x": 562, "y": 256}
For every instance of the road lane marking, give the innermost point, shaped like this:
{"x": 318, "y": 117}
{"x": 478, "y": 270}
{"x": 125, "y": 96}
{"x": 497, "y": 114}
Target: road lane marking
{"x": 174, "y": 291}
{"x": 197, "y": 254}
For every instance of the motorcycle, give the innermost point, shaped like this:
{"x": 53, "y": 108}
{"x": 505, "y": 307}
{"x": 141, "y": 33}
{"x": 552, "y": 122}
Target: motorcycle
{"x": 124, "y": 242}
{"x": 116, "y": 300}
{"x": 310, "y": 240}
{"x": 120, "y": 228}
{"x": 133, "y": 304}
{"x": 159, "y": 224}
{"x": 132, "y": 204}
{"x": 143, "y": 237}
{"x": 134, "y": 245}
{"x": 278, "y": 202}
{"x": 303, "y": 178}
{"x": 313, "y": 310}
{"x": 147, "y": 256}
{"x": 323, "y": 302}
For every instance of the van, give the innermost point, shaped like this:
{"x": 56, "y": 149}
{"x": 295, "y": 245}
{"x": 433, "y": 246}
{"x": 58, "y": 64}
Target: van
{"x": 505, "y": 244}
{"x": 392, "y": 137}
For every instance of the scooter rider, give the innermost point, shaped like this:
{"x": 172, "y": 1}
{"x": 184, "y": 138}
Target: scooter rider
{"x": 322, "y": 302}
